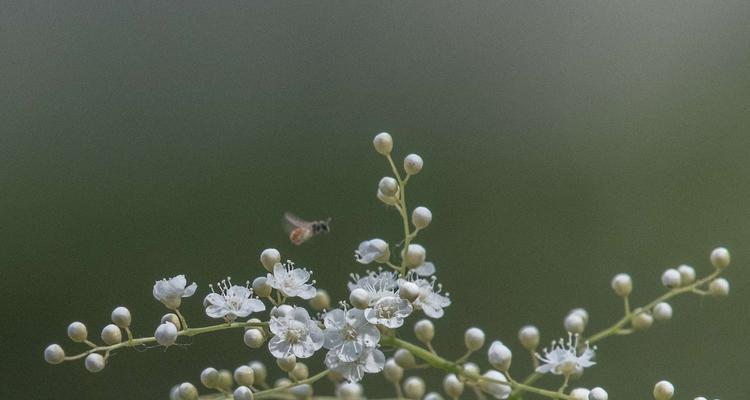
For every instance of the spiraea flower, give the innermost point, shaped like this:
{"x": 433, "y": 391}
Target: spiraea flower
{"x": 491, "y": 385}
{"x": 377, "y": 284}
{"x": 564, "y": 357}
{"x": 372, "y": 250}
{"x": 231, "y": 302}
{"x": 291, "y": 281}
{"x": 171, "y": 291}
{"x": 389, "y": 311}
{"x": 425, "y": 269}
{"x": 430, "y": 299}
{"x": 370, "y": 360}
{"x": 348, "y": 333}
{"x": 294, "y": 334}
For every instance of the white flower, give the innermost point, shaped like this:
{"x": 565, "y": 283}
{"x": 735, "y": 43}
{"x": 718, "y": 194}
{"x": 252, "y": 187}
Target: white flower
{"x": 371, "y": 361}
{"x": 291, "y": 281}
{"x": 430, "y": 301}
{"x": 372, "y": 250}
{"x": 377, "y": 284}
{"x": 348, "y": 333}
{"x": 295, "y": 333}
{"x": 563, "y": 359}
{"x": 389, "y": 311}
{"x": 491, "y": 386}
{"x": 425, "y": 269}
{"x": 171, "y": 291}
{"x": 232, "y": 302}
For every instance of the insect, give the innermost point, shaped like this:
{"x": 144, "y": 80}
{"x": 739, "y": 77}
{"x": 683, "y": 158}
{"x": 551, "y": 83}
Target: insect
{"x": 300, "y": 230}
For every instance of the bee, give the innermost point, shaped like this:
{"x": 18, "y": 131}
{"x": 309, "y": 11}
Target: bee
{"x": 301, "y": 231}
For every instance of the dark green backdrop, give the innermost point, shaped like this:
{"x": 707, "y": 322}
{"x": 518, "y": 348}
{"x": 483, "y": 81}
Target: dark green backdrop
{"x": 563, "y": 142}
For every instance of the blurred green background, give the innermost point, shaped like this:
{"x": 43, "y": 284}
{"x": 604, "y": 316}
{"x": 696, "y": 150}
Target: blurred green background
{"x": 563, "y": 142}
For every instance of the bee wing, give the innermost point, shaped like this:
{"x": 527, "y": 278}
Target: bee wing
{"x": 292, "y": 222}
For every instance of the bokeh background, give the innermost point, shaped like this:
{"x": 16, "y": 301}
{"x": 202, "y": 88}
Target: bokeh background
{"x": 563, "y": 142}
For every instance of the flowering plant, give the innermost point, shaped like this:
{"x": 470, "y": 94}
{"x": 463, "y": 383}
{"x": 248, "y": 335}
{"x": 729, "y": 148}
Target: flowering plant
{"x": 357, "y": 333}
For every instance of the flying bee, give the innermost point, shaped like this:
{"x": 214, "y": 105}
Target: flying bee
{"x": 301, "y": 231}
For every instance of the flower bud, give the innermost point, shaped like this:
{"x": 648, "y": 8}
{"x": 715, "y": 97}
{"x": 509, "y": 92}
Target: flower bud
{"x": 242, "y": 393}
{"x": 453, "y": 386}
{"x": 671, "y": 278}
{"x": 529, "y": 337}
{"x": 172, "y": 319}
{"x": 225, "y": 380}
{"x": 383, "y": 143}
{"x": 424, "y": 330}
{"x": 111, "y": 334}
{"x": 244, "y": 376}
{"x": 321, "y": 301}
{"x": 471, "y": 369}
{"x": 474, "y": 339}
{"x": 287, "y": 363}
{"x": 388, "y": 200}
{"x": 574, "y": 323}
{"x": 413, "y": 164}
{"x": 408, "y": 290}
{"x": 404, "y": 359}
{"x": 662, "y": 312}
{"x": 415, "y": 255}
{"x": 94, "y": 362}
{"x": 281, "y": 311}
{"x": 261, "y": 288}
{"x": 433, "y": 396}
{"x": 719, "y": 287}
{"x": 388, "y": 186}
{"x": 210, "y": 378}
{"x": 259, "y": 370}
{"x": 663, "y": 390}
{"x": 720, "y": 258}
{"x": 700, "y": 398}
{"x": 77, "y": 332}
{"x": 622, "y": 284}
{"x": 687, "y": 274}
{"x": 392, "y": 371}
{"x": 359, "y": 298}
{"x": 186, "y": 391}
{"x": 166, "y": 334}
{"x": 121, "y": 317}
{"x": 581, "y": 312}
{"x": 421, "y": 217}
{"x": 349, "y": 391}
{"x": 642, "y": 321}
{"x": 269, "y": 258}
{"x": 598, "y": 393}
{"x": 579, "y": 394}
{"x": 281, "y": 382}
{"x": 300, "y": 371}
{"x": 254, "y": 338}
{"x": 54, "y": 354}
{"x": 301, "y": 392}
{"x": 414, "y": 387}
{"x": 499, "y": 356}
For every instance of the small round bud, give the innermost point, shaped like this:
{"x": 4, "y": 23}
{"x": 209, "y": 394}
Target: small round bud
{"x": 499, "y": 356}
{"x": 388, "y": 200}
{"x": 529, "y": 337}
{"x": 77, "y": 332}
{"x": 598, "y": 393}
{"x": 642, "y": 321}
{"x": 282, "y": 382}
{"x": 121, "y": 317}
{"x": 453, "y": 386}
{"x": 269, "y": 258}
{"x": 424, "y": 330}
{"x": 413, "y": 164}
{"x": 111, "y": 334}
{"x": 392, "y": 372}
{"x": 719, "y": 287}
{"x": 471, "y": 368}
{"x": 254, "y": 338}
{"x": 700, "y": 398}
{"x": 244, "y": 375}
{"x": 414, "y": 387}
{"x": 210, "y": 378}
{"x": 301, "y": 392}
{"x": 94, "y": 362}
{"x": 671, "y": 278}
{"x": 350, "y": 391}
{"x": 433, "y": 396}
{"x": 186, "y": 391}
{"x": 359, "y": 298}
{"x": 662, "y": 312}
{"x": 225, "y": 380}
{"x": 281, "y": 311}
{"x": 574, "y": 323}
{"x": 622, "y": 284}
{"x": 383, "y": 143}
{"x": 388, "y": 186}
{"x": 421, "y": 217}
{"x": 321, "y": 301}
{"x": 579, "y": 394}
{"x": 408, "y": 290}
{"x": 172, "y": 319}
{"x": 415, "y": 255}
{"x": 259, "y": 369}
{"x": 287, "y": 363}
{"x": 243, "y": 393}
{"x": 687, "y": 274}
{"x": 54, "y": 354}
{"x": 663, "y": 390}
{"x": 166, "y": 334}
{"x": 261, "y": 287}
{"x": 300, "y": 371}
{"x": 474, "y": 339}
{"x": 581, "y": 312}
{"x": 404, "y": 359}
{"x": 720, "y": 258}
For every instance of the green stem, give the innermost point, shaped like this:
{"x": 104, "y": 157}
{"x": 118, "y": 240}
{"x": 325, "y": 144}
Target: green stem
{"x": 272, "y": 393}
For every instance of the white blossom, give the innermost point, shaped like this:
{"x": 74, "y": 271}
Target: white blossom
{"x": 231, "y": 302}
{"x": 348, "y": 333}
{"x": 425, "y": 269}
{"x": 372, "y": 250}
{"x": 564, "y": 359}
{"x": 491, "y": 385}
{"x": 389, "y": 311}
{"x": 171, "y": 291}
{"x": 294, "y": 334}
{"x": 377, "y": 284}
{"x": 370, "y": 360}
{"x": 430, "y": 301}
{"x": 291, "y": 281}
